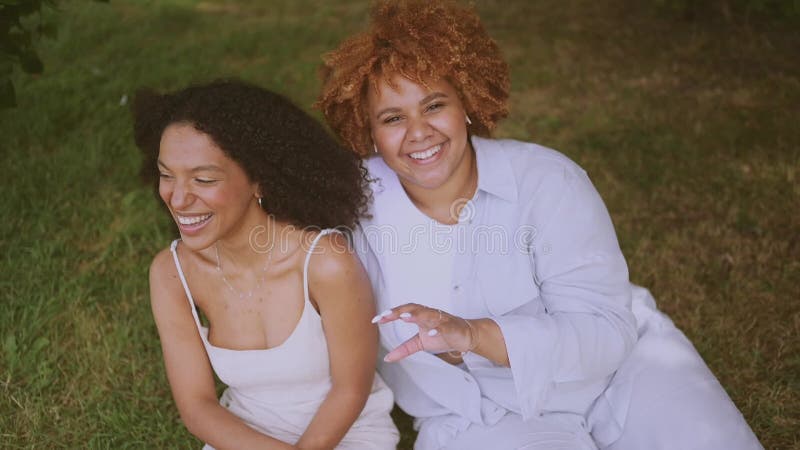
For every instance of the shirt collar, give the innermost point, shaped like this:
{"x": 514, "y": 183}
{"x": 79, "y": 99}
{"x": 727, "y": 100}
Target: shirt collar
{"x": 495, "y": 175}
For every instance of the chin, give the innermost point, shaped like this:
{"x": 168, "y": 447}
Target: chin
{"x": 430, "y": 182}
{"x": 197, "y": 242}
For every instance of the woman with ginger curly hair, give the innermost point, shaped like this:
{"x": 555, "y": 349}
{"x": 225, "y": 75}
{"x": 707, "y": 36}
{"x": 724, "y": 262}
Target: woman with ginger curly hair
{"x": 256, "y": 188}
{"x": 509, "y": 320}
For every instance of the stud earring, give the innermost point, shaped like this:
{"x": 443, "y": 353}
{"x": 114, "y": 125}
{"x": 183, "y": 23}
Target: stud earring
{"x": 469, "y": 122}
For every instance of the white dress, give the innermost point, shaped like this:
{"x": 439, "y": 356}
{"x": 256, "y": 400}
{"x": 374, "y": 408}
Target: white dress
{"x": 277, "y": 391}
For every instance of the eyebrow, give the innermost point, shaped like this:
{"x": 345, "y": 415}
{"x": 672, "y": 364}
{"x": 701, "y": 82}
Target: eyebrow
{"x": 209, "y": 167}
{"x": 428, "y": 98}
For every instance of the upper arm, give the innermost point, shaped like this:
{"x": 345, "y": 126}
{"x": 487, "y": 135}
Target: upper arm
{"x": 188, "y": 369}
{"x": 578, "y": 261}
{"x": 340, "y": 286}
{"x": 576, "y": 253}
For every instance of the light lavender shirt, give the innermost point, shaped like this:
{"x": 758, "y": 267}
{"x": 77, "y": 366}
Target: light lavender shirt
{"x": 535, "y": 251}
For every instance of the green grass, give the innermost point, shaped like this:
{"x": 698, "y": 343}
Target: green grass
{"x": 689, "y": 131}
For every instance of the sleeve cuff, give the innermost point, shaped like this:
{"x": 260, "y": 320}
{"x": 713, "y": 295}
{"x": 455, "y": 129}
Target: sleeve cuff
{"x": 531, "y": 346}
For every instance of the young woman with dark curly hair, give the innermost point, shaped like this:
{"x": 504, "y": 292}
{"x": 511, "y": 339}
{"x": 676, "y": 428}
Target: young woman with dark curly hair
{"x": 256, "y": 188}
{"x": 509, "y": 321}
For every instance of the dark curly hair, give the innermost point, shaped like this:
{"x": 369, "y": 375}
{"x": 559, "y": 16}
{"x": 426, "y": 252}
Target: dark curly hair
{"x": 306, "y": 177}
{"x": 421, "y": 40}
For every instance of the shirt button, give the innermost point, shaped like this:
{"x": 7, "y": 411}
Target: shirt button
{"x": 456, "y": 287}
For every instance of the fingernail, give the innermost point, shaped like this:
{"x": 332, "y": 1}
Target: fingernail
{"x": 377, "y": 318}
{"x": 405, "y": 315}
{"x": 433, "y": 332}
{"x": 385, "y": 313}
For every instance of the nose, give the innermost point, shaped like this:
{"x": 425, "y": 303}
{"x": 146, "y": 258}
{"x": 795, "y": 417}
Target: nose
{"x": 180, "y": 197}
{"x": 419, "y": 129}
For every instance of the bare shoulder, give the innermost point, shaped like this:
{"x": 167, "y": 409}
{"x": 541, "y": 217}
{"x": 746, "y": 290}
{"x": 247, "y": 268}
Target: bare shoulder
{"x": 332, "y": 259}
{"x": 163, "y": 267}
{"x": 164, "y": 280}
{"x": 337, "y": 281}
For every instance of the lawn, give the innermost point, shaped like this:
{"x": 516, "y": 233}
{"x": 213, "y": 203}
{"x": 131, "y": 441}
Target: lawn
{"x": 689, "y": 129}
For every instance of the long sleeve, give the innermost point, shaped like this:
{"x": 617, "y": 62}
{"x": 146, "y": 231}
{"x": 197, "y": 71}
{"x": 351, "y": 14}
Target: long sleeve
{"x": 561, "y": 298}
{"x": 562, "y": 357}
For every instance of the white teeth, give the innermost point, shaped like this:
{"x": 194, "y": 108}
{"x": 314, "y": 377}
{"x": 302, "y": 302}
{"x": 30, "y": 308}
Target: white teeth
{"x": 426, "y": 153}
{"x": 193, "y": 220}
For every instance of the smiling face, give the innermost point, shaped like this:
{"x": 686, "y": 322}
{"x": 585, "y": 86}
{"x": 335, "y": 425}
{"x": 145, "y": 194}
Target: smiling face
{"x": 209, "y": 195}
{"x": 421, "y": 133}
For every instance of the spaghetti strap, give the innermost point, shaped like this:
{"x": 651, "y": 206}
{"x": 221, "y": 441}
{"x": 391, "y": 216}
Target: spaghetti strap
{"x": 308, "y": 259}
{"x": 277, "y": 390}
{"x": 172, "y": 248}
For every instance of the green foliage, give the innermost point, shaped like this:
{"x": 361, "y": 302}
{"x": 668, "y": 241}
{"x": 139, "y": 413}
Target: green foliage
{"x": 17, "y": 37}
{"x": 22, "y": 22}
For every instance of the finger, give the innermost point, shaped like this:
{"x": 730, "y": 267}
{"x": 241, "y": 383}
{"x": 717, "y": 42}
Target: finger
{"x": 423, "y": 316}
{"x": 380, "y": 316}
{"x": 429, "y": 317}
{"x": 405, "y": 312}
{"x": 405, "y": 349}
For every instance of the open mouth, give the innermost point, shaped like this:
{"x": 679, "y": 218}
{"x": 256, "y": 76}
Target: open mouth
{"x": 425, "y": 155}
{"x": 191, "y": 223}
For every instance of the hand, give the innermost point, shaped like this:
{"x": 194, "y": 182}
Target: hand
{"x": 438, "y": 331}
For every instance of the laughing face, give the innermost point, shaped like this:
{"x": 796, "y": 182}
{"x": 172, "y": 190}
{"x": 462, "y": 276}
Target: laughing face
{"x": 421, "y": 132}
{"x": 208, "y": 194}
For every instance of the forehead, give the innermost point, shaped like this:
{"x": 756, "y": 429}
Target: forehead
{"x": 401, "y": 89}
{"x": 182, "y": 144}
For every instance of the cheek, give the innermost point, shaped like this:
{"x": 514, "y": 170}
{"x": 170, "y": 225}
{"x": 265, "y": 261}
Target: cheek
{"x": 454, "y": 126}
{"x": 164, "y": 191}
{"x": 228, "y": 197}
{"x": 388, "y": 140}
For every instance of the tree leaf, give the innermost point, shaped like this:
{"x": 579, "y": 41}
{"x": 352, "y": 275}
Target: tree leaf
{"x": 49, "y": 30}
{"x": 31, "y": 63}
{"x": 17, "y": 39}
{"x": 8, "y": 98}
{"x": 6, "y": 68}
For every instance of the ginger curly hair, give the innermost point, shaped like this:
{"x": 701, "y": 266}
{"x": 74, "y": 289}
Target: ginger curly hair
{"x": 421, "y": 40}
{"x": 307, "y": 178}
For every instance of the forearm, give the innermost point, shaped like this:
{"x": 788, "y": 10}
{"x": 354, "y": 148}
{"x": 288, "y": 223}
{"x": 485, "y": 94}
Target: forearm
{"x": 599, "y": 346}
{"x": 333, "y": 419}
{"x": 565, "y": 347}
{"x": 220, "y": 428}
{"x": 488, "y": 341}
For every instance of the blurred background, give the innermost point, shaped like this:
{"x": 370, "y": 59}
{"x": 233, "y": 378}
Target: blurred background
{"x": 685, "y": 114}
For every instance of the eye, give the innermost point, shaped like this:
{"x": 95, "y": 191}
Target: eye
{"x": 164, "y": 176}
{"x": 435, "y": 106}
{"x": 205, "y": 180}
{"x": 391, "y": 119}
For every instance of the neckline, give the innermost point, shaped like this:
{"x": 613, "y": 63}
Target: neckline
{"x": 204, "y": 334}
{"x": 413, "y": 206}
{"x": 203, "y": 330}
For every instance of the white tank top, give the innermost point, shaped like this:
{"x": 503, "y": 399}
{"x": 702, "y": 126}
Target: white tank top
{"x": 278, "y": 390}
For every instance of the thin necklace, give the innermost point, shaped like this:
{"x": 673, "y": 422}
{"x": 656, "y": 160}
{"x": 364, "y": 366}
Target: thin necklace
{"x": 237, "y": 292}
